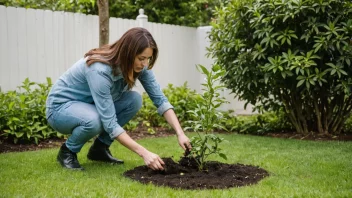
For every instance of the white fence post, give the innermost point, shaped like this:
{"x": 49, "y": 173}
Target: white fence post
{"x": 142, "y": 18}
{"x": 142, "y": 21}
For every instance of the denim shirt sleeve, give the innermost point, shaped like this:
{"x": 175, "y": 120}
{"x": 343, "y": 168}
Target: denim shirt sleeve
{"x": 152, "y": 87}
{"x": 100, "y": 84}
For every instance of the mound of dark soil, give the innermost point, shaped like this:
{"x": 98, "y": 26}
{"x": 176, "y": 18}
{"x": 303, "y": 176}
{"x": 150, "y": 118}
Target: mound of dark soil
{"x": 216, "y": 175}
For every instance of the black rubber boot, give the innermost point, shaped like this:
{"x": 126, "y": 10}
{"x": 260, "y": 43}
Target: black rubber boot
{"x": 68, "y": 159}
{"x": 100, "y": 152}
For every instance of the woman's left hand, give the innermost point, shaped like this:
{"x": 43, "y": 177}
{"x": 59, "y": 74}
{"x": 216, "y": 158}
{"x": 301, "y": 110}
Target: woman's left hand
{"x": 184, "y": 142}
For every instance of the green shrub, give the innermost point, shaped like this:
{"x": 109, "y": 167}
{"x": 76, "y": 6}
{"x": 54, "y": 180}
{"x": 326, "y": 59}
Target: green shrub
{"x": 22, "y": 113}
{"x": 148, "y": 114}
{"x": 131, "y": 125}
{"x": 182, "y": 98}
{"x": 289, "y": 53}
{"x": 259, "y": 124}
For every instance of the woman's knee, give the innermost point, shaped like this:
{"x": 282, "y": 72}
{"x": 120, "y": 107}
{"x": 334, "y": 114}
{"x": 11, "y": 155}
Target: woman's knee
{"x": 93, "y": 126}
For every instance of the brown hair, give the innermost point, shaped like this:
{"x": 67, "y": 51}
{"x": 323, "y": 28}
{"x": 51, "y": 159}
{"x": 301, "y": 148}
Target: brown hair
{"x": 122, "y": 53}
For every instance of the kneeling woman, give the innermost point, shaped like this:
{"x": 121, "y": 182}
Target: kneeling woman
{"x": 94, "y": 97}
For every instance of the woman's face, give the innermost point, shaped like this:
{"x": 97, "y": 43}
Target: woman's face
{"x": 142, "y": 60}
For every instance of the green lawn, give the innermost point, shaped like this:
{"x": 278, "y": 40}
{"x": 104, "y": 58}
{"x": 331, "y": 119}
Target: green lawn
{"x": 297, "y": 169}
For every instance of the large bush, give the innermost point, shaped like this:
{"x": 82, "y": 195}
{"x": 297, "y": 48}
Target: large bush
{"x": 291, "y": 53}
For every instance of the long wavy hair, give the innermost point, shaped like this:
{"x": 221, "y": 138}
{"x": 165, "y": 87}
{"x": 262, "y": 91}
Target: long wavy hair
{"x": 121, "y": 54}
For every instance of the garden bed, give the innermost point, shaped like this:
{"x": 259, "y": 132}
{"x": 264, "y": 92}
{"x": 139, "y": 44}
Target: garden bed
{"x": 141, "y": 132}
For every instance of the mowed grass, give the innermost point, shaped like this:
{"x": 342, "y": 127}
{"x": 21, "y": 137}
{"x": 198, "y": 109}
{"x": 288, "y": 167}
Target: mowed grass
{"x": 297, "y": 169}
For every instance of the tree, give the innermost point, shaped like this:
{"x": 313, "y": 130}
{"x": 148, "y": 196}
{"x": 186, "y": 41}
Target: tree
{"x": 103, "y": 6}
{"x": 293, "y": 54}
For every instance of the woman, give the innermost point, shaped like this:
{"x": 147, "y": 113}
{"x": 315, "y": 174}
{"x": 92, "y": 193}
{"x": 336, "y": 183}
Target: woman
{"x": 94, "y": 97}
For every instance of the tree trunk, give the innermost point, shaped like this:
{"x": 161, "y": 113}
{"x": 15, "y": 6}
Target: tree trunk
{"x": 318, "y": 114}
{"x": 103, "y": 7}
{"x": 291, "y": 112}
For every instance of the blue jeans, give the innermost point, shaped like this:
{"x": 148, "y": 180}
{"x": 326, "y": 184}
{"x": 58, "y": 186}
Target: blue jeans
{"x": 82, "y": 120}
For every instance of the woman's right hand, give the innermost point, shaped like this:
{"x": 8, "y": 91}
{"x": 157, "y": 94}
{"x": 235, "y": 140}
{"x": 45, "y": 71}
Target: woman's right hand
{"x": 153, "y": 161}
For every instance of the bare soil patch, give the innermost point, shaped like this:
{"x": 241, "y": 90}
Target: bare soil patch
{"x": 216, "y": 175}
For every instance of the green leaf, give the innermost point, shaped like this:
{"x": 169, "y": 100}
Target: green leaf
{"x": 19, "y": 134}
{"x": 300, "y": 83}
{"x": 223, "y": 156}
{"x": 15, "y": 119}
{"x": 289, "y": 41}
{"x": 11, "y": 105}
{"x": 203, "y": 69}
{"x": 216, "y": 68}
{"x": 343, "y": 72}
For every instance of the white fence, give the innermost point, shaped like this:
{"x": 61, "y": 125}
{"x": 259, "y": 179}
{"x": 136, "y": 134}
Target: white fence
{"x": 39, "y": 44}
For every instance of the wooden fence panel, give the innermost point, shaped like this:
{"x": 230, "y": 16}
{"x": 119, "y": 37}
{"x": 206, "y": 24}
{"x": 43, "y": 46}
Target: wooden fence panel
{"x": 49, "y": 38}
{"x": 40, "y": 46}
{"x": 22, "y": 44}
{"x": 12, "y": 47}
{"x": 31, "y": 33}
{"x": 4, "y": 53}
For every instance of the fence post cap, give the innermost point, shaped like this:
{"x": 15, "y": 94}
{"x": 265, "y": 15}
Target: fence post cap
{"x": 141, "y": 14}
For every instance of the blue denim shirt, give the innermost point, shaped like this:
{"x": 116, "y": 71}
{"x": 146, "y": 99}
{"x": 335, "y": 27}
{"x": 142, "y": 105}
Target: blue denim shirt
{"x": 97, "y": 84}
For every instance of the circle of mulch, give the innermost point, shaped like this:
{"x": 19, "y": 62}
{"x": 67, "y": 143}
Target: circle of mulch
{"x": 216, "y": 175}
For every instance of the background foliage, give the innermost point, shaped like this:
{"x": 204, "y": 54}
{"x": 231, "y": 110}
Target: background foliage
{"x": 192, "y": 13}
{"x": 22, "y": 113}
{"x": 81, "y": 6}
{"x": 178, "y": 12}
{"x": 289, "y": 53}
{"x": 182, "y": 98}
